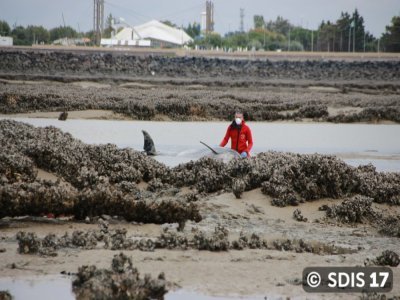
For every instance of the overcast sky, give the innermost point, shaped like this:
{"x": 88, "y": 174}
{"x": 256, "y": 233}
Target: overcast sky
{"x": 308, "y": 13}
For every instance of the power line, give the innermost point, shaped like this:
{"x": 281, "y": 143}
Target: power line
{"x": 130, "y": 11}
{"x": 177, "y": 13}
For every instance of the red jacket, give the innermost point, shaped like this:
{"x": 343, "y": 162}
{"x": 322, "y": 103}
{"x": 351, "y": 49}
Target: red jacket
{"x": 242, "y": 144}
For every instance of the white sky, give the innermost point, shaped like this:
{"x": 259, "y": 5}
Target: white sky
{"x": 308, "y": 13}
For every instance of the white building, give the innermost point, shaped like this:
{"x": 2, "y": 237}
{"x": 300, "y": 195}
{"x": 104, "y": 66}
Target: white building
{"x": 153, "y": 33}
{"x": 6, "y": 41}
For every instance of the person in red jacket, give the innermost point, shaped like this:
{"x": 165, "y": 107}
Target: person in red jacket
{"x": 240, "y": 135}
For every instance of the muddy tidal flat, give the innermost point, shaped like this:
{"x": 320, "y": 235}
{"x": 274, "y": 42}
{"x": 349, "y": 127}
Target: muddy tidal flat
{"x": 85, "y": 214}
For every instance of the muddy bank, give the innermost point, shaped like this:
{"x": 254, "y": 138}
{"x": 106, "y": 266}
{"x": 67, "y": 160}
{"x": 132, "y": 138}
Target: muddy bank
{"x": 168, "y": 102}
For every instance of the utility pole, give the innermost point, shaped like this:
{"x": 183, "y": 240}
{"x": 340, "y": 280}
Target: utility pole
{"x": 98, "y": 19}
{"x": 209, "y": 17}
{"x": 241, "y": 20}
{"x": 364, "y": 41}
{"x": 312, "y": 40}
{"x": 349, "y": 38}
{"x": 289, "y": 40}
{"x": 354, "y": 37}
{"x": 66, "y": 35}
{"x": 264, "y": 35}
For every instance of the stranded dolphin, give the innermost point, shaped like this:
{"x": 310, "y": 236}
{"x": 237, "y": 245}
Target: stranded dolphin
{"x": 148, "y": 147}
{"x": 219, "y": 153}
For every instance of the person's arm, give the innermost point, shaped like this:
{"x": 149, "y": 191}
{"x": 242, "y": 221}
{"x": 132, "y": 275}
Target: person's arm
{"x": 226, "y": 138}
{"x": 249, "y": 141}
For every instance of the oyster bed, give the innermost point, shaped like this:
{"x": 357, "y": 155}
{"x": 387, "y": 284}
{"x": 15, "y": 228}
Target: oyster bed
{"x": 103, "y": 179}
{"x": 179, "y": 102}
{"x": 64, "y": 62}
{"x": 150, "y": 87}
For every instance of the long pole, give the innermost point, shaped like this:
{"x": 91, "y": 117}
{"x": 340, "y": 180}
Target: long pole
{"x": 264, "y": 36}
{"x": 364, "y": 41}
{"x": 354, "y": 38}
{"x": 289, "y": 40}
{"x": 349, "y": 38}
{"x": 66, "y": 35}
{"x": 312, "y": 40}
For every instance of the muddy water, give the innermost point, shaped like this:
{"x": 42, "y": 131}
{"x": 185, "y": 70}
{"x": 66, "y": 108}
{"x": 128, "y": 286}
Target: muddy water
{"x": 178, "y": 142}
{"x": 39, "y": 287}
{"x": 60, "y": 288}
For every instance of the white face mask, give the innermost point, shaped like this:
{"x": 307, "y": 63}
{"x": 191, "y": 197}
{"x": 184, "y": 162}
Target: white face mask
{"x": 238, "y": 121}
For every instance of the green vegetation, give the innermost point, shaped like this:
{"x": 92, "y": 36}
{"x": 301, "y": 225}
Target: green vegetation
{"x": 391, "y": 38}
{"x": 347, "y": 34}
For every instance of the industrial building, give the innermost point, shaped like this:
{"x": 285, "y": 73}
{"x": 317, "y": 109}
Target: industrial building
{"x": 150, "y": 34}
{"x": 6, "y": 41}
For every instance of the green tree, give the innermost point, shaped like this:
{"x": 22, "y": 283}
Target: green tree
{"x": 280, "y": 25}
{"x": 20, "y": 36}
{"x": 193, "y": 30}
{"x": 169, "y": 23}
{"x": 235, "y": 39}
{"x": 258, "y": 21}
{"x": 62, "y": 32}
{"x": 4, "y": 28}
{"x": 346, "y": 32}
{"x": 359, "y": 31}
{"x": 343, "y": 31}
{"x": 371, "y": 44}
{"x": 391, "y": 38}
{"x": 213, "y": 40}
{"x": 301, "y": 36}
{"x": 37, "y": 34}
{"x": 109, "y": 26}
{"x": 327, "y": 35}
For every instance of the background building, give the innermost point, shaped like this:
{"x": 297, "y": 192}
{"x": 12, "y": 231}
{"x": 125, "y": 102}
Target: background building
{"x": 150, "y": 34}
{"x": 6, "y": 41}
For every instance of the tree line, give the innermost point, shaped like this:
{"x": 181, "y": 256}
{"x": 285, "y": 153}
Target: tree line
{"x": 346, "y": 34}
{"x": 32, "y": 34}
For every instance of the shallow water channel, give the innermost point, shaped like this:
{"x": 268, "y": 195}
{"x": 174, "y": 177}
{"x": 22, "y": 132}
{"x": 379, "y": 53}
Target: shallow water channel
{"x": 60, "y": 287}
{"x": 179, "y": 142}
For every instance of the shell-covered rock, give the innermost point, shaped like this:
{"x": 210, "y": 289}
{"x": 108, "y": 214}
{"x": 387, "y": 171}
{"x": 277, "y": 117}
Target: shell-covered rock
{"x": 388, "y": 258}
{"x": 352, "y": 210}
{"x": 238, "y": 187}
{"x": 122, "y": 281}
{"x": 298, "y": 216}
